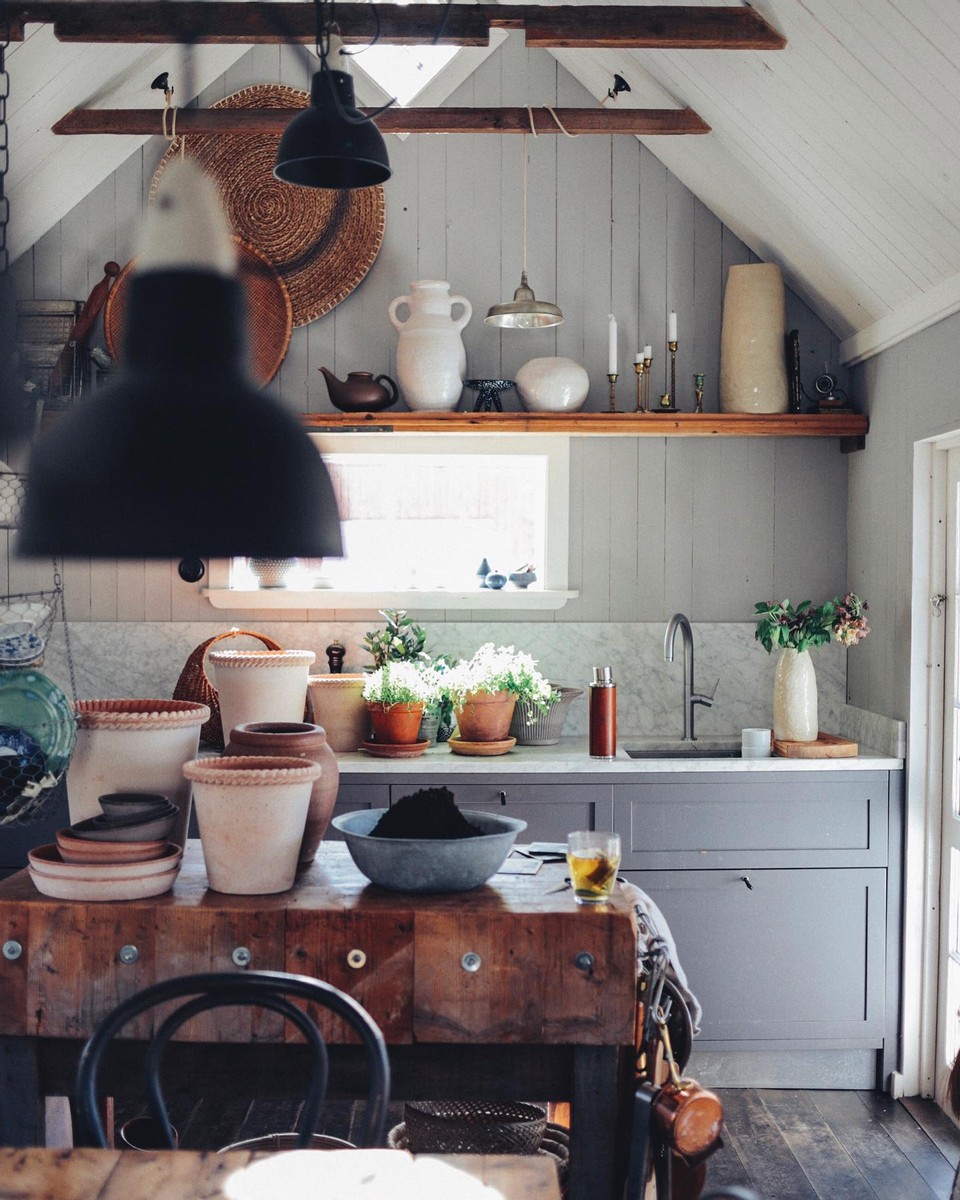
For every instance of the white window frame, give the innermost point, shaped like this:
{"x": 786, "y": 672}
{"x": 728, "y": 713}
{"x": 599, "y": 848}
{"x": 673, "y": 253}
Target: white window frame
{"x": 554, "y": 592}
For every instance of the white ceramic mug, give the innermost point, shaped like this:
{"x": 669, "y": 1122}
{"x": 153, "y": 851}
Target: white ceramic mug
{"x": 755, "y": 743}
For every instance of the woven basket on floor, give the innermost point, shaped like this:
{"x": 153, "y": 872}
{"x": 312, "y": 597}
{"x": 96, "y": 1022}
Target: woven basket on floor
{"x": 472, "y": 1127}
{"x": 194, "y": 683}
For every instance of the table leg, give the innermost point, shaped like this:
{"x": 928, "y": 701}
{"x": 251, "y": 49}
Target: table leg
{"x": 594, "y": 1120}
{"x": 22, "y": 1116}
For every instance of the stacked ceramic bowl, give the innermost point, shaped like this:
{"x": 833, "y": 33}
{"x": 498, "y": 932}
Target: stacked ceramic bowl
{"x": 122, "y": 854}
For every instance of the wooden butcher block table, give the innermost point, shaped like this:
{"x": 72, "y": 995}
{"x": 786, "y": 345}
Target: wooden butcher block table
{"x": 507, "y": 992}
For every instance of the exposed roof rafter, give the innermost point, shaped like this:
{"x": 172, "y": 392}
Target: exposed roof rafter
{"x": 249, "y": 22}
{"x": 576, "y": 121}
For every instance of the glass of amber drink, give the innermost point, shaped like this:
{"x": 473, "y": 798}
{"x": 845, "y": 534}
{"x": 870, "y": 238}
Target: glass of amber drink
{"x": 593, "y": 858}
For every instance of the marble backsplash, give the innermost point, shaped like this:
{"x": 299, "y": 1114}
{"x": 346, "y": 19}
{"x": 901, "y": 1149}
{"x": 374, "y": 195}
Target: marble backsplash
{"x": 114, "y": 659}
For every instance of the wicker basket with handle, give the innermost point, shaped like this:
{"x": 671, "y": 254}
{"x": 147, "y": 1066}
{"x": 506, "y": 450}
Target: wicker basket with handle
{"x": 194, "y": 683}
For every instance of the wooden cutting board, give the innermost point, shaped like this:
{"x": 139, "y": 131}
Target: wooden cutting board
{"x": 827, "y": 745}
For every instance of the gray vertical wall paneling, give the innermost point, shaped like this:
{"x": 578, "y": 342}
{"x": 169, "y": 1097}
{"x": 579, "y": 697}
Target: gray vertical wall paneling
{"x": 708, "y": 300}
{"x": 810, "y": 551}
{"x": 681, "y": 249}
{"x": 652, "y": 281}
{"x": 689, "y": 470}
{"x": 624, "y": 545}
{"x": 431, "y": 153}
{"x": 573, "y": 609}
{"x": 652, "y": 518}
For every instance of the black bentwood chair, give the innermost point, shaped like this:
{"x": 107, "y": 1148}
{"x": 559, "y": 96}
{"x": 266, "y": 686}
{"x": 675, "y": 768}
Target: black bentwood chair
{"x": 274, "y": 990}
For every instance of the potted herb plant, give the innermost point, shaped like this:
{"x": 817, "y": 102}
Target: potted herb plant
{"x": 795, "y": 631}
{"x": 402, "y": 640}
{"x": 396, "y": 695}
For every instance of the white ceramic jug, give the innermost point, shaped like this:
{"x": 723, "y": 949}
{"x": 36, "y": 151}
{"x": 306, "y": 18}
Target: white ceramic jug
{"x": 431, "y": 360}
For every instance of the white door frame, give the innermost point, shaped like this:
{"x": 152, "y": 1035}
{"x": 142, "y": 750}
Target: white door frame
{"x": 924, "y": 770}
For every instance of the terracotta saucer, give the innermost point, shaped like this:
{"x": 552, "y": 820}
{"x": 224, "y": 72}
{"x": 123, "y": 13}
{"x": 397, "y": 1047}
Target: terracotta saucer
{"x": 394, "y": 749}
{"x": 458, "y": 746}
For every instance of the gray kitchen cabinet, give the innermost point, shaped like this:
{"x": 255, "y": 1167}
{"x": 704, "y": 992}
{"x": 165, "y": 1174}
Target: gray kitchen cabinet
{"x": 783, "y": 895}
{"x": 355, "y": 796}
{"x": 551, "y": 811}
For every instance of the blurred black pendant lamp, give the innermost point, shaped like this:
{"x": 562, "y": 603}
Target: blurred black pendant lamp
{"x": 181, "y": 455}
{"x": 525, "y": 311}
{"x": 331, "y": 144}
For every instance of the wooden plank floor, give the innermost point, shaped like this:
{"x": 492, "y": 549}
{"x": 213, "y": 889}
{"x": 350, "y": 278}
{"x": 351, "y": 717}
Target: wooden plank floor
{"x": 786, "y": 1145}
{"x": 813, "y": 1145}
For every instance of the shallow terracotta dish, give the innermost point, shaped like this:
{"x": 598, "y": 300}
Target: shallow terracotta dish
{"x": 86, "y": 850}
{"x": 480, "y": 749}
{"x": 131, "y": 888}
{"x": 395, "y": 750}
{"x": 47, "y": 861}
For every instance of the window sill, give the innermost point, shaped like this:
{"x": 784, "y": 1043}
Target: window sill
{"x": 323, "y": 598}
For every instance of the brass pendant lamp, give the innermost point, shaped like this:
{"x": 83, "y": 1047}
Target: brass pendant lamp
{"x": 524, "y": 311}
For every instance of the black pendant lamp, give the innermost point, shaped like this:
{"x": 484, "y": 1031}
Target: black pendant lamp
{"x": 331, "y": 144}
{"x": 181, "y": 455}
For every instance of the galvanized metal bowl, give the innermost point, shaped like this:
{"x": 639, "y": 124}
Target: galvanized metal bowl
{"x": 429, "y": 864}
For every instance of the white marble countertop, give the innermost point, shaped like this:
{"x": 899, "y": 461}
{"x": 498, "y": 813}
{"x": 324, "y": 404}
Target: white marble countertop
{"x": 570, "y": 757}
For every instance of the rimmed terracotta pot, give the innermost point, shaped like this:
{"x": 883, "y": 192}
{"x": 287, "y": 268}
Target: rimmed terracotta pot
{"x": 485, "y": 716}
{"x": 336, "y": 702}
{"x": 395, "y": 724}
{"x": 260, "y": 685}
{"x": 252, "y": 812}
{"x": 134, "y": 746}
{"x": 293, "y": 739}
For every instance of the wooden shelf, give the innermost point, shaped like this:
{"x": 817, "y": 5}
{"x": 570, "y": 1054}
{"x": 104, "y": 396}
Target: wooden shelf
{"x": 510, "y": 598}
{"x": 851, "y": 428}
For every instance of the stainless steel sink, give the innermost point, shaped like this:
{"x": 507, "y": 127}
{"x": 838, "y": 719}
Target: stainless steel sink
{"x": 700, "y": 748}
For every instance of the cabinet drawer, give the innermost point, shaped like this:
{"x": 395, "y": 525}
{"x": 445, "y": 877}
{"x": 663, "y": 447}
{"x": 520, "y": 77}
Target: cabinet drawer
{"x": 797, "y": 956}
{"x": 550, "y": 811}
{"x": 816, "y": 821}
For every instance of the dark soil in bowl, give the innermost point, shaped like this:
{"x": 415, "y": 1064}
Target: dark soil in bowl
{"x": 430, "y": 813}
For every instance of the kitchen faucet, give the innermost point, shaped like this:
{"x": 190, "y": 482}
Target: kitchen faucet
{"x": 690, "y": 697}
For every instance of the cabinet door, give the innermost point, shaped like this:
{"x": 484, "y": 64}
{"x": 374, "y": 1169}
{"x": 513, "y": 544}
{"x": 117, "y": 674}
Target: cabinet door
{"x": 354, "y": 796}
{"x": 550, "y": 810}
{"x": 796, "y": 955}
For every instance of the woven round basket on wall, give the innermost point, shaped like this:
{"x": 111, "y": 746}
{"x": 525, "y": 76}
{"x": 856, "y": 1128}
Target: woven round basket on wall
{"x": 322, "y": 242}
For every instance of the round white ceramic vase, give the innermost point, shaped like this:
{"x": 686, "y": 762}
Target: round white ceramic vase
{"x": 795, "y": 717}
{"x": 252, "y": 812}
{"x": 260, "y": 685}
{"x": 552, "y": 385}
{"x": 134, "y": 746}
{"x": 753, "y": 373}
{"x": 431, "y": 360}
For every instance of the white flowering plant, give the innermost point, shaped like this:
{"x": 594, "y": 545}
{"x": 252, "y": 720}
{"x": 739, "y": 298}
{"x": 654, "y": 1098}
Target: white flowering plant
{"x": 498, "y": 669}
{"x": 401, "y": 683}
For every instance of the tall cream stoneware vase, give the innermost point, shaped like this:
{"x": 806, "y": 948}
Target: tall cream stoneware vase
{"x": 252, "y": 812}
{"x": 134, "y": 746}
{"x": 753, "y": 372}
{"x": 260, "y": 685}
{"x": 795, "y": 717}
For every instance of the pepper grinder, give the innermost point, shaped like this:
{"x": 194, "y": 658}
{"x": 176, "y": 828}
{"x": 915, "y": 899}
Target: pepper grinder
{"x": 335, "y": 653}
{"x": 603, "y": 714}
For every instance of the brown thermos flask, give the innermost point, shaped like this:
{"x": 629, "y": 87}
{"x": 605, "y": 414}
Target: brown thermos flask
{"x": 603, "y": 714}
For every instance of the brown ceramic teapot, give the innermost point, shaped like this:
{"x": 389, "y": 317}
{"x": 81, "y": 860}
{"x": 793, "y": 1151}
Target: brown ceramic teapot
{"x": 360, "y": 392}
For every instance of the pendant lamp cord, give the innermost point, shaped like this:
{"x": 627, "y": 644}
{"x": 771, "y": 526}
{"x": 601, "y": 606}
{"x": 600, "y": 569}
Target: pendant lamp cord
{"x": 4, "y": 142}
{"x": 523, "y": 205}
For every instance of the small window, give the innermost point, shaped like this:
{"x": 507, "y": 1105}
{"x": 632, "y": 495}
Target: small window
{"x": 421, "y": 514}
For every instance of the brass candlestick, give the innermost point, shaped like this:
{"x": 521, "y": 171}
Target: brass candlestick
{"x": 638, "y": 367}
{"x": 672, "y": 347}
{"x": 698, "y": 392}
{"x": 647, "y": 364}
{"x": 612, "y": 376}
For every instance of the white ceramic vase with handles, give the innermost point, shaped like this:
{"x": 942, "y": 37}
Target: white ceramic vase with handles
{"x": 260, "y": 685}
{"x": 431, "y": 360}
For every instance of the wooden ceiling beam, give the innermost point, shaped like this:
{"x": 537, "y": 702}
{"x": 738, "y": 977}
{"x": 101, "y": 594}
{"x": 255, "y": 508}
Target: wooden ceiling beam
{"x": 576, "y": 121}
{"x": 250, "y": 22}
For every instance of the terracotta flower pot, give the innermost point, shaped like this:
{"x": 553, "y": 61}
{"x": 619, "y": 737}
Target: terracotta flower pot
{"x": 293, "y": 739}
{"x": 252, "y": 813}
{"x": 336, "y": 703}
{"x": 260, "y": 685}
{"x": 485, "y": 716}
{"x": 134, "y": 746}
{"x": 395, "y": 724}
